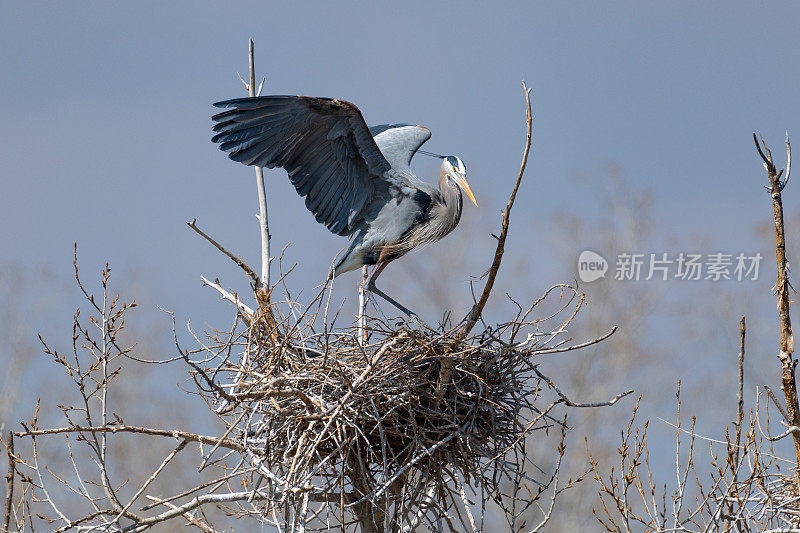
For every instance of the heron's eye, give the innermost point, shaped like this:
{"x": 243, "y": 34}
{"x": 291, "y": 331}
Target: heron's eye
{"x": 454, "y": 169}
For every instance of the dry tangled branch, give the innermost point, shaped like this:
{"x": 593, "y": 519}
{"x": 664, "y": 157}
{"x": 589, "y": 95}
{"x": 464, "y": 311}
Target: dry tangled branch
{"x": 740, "y": 485}
{"x": 334, "y": 428}
{"x": 743, "y": 485}
{"x": 321, "y": 431}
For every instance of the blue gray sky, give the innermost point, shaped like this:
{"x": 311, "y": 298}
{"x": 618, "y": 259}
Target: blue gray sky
{"x": 105, "y": 133}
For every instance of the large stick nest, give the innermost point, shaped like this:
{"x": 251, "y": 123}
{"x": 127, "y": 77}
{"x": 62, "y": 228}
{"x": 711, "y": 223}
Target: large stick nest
{"x": 387, "y": 401}
{"x": 389, "y": 421}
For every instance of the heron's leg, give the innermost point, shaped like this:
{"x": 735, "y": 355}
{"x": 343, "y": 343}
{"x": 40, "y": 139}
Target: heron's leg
{"x": 375, "y": 273}
{"x": 375, "y": 290}
{"x": 408, "y": 312}
{"x": 377, "y": 307}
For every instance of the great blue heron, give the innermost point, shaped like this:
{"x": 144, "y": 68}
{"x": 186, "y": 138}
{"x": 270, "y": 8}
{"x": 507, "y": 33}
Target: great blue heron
{"x": 356, "y": 180}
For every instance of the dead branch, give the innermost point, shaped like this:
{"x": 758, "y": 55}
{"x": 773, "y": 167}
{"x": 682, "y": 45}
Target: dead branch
{"x": 241, "y": 264}
{"x": 477, "y": 309}
{"x": 9, "y": 481}
{"x": 782, "y": 286}
{"x": 740, "y": 381}
{"x": 173, "y": 433}
{"x": 569, "y": 402}
{"x": 190, "y": 518}
{"x": 229, "y": 296}
{"x": 263, "y": 218}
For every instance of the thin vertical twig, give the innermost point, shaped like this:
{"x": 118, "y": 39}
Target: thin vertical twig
{"x": 9, "y": 482}
{"x": 263, "y": 218}
{"x": 104, "y": 360}
{"x": 775, "y": 188}
{"x": 734, "y": 451}
{"x": 477, "y": 309}
{"x": 362, "y": 307}
{"x": 740, "y": 391}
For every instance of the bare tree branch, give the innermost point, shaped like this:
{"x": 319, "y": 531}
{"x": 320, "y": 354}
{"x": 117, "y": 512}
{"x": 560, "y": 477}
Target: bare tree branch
{"x": 174, "y": 433}
{"x": 477, "y": 309}
{"x": 263, "y": 217}
{"x": 9, "y": 481}
{"x": 249, "y": 271}
{"x": 788, "y": 364}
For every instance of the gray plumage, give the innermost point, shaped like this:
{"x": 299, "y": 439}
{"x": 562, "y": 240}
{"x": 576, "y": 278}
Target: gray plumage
{"x": 356, "y": 180}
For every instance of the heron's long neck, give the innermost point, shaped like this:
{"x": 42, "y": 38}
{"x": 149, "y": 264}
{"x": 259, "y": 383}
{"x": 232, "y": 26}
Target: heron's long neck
{"x": 449, "y": 211}
{"x": 443, "y": 216}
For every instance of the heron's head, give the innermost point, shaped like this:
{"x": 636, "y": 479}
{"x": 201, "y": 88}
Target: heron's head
{"x": 455, "y": 170}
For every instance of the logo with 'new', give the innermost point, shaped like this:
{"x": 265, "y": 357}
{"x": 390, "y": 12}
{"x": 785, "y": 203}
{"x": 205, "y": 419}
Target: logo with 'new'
{"x": 591, "y": 266}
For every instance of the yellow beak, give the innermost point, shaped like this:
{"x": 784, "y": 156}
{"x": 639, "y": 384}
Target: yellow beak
{"x": 464, "y": 185}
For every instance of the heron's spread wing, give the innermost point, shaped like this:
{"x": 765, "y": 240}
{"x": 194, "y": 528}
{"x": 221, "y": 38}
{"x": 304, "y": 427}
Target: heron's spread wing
{"x": 323, "y": 144}
{"x": 398, "y": 144}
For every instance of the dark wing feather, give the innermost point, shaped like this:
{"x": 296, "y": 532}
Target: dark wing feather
{"x": 323, "y": 144}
